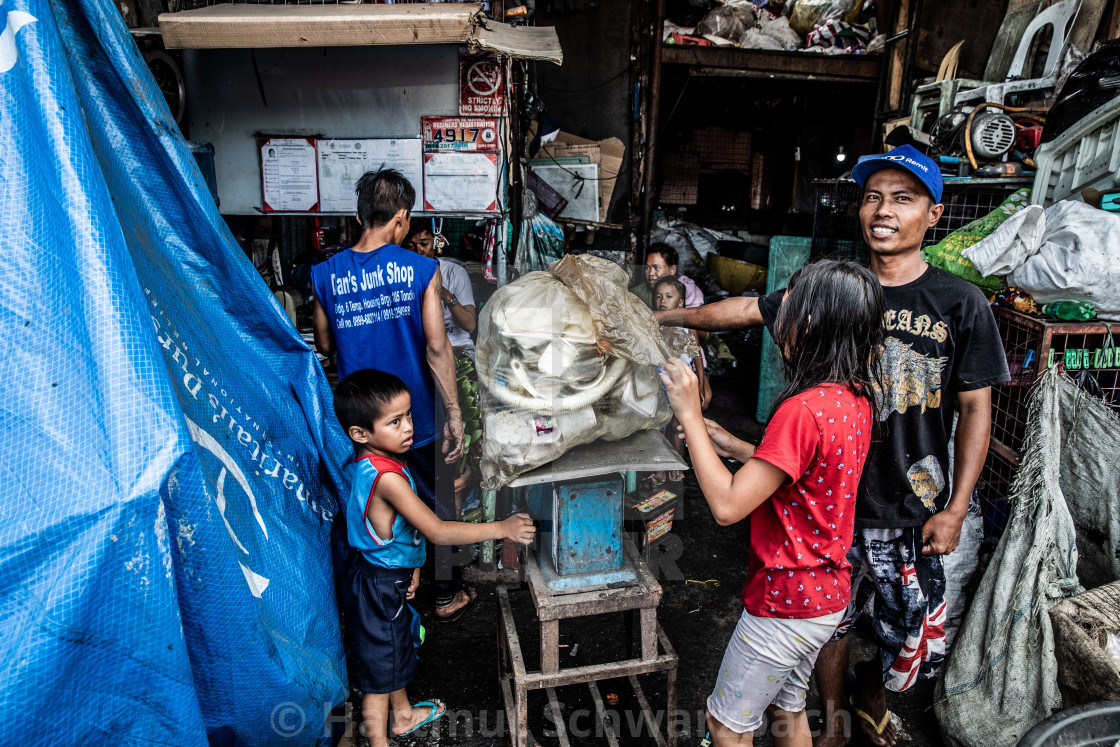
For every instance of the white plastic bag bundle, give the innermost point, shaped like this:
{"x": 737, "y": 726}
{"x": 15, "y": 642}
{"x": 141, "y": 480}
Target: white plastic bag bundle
{"x": 780, "y": 31}
{"x": 565, "y": 357}
{"x": 1068, "y": 252}
{"x": 755, "y": 39}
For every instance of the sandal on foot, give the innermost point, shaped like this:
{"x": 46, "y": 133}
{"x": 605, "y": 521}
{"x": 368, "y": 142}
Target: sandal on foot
{"x": 878, "y": 726}
{"x": 433, "y": 715}
{"x": 471, "y": 596}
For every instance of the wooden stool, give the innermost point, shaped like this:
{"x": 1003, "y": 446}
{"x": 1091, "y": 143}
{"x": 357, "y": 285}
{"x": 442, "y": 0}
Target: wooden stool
{"x": 639, "y": 600}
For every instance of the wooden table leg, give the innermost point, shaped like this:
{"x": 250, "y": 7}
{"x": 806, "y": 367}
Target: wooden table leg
{"x": 550, "y": 646}
{"x": 649, "y": 633}
{"x": 671, "y": 705}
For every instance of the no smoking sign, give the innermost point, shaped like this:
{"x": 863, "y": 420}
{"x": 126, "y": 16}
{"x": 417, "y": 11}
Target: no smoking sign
{"x": 481, "y": 91}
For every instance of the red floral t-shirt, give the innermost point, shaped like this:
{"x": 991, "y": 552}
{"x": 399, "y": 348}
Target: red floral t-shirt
{"x": 800, "y": 537}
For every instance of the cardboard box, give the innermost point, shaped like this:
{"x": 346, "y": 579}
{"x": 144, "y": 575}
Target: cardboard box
{"x": 607, "y": 153}
{"x": 652, "y": 516}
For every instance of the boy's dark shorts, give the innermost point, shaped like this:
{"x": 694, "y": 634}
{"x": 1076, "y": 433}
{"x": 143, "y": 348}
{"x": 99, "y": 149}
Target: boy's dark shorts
{"x": 378, "y": 626}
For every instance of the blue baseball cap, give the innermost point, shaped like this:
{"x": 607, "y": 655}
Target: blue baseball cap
{"x": 906, "y": 158}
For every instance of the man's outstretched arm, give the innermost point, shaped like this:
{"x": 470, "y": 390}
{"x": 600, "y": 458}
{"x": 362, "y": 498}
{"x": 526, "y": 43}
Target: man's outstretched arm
{"x": 730, "y": 313}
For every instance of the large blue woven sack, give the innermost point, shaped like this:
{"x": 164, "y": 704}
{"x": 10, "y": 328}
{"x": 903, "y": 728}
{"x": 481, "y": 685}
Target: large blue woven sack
{"x": 169, "y": 463}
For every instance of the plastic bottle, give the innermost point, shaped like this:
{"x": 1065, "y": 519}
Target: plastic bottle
{"x": 1071, "y": 311}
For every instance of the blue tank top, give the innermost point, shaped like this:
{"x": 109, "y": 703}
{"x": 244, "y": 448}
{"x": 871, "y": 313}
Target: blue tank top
{"x": 373, "y": 301}
{"x": 405, "y": 549}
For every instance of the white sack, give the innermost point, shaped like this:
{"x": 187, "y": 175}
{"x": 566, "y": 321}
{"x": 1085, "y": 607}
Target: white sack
{"x": 1068, "y": 252}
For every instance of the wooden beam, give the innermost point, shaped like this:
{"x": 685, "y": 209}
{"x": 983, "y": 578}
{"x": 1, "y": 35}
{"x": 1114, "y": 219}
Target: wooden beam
{"x": 242, "y": 26}
{"x": 800, "y": 65}
{"x": 898, "y": 58}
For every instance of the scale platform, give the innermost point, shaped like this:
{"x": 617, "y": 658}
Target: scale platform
{"x": 579, "y": 501}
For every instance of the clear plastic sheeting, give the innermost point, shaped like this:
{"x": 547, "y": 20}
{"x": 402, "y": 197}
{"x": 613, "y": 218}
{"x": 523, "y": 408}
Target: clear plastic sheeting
{"x": 565, "y": 357}
{"x": 170, "y": 459}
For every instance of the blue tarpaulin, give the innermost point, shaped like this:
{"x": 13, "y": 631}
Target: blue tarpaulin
{"x": 170, "y": 463}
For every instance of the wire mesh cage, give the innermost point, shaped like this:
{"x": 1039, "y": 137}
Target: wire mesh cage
{"x": 993, "y": 487}
{"x": 836, "y": 229}
{"x": 1033, "y": 345}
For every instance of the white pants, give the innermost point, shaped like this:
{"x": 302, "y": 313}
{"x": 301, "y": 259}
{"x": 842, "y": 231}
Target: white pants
{"x": 768, "y": 660}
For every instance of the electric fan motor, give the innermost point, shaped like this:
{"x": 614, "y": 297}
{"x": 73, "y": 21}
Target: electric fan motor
{"x": 992, "y": 134}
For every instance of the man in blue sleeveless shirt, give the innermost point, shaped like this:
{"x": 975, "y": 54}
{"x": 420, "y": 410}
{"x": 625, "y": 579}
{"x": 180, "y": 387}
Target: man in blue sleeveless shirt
{"x": 378, "y": 306}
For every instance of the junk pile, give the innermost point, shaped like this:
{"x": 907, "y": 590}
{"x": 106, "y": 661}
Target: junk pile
{"x": 825, "y": 26}
{"x": 1069, "y": 251}
{"x": 565, "y": 357}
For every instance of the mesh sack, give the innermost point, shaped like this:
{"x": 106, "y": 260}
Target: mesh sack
{"x": 1001, "y": 677}
{"x": 565, "y": 357}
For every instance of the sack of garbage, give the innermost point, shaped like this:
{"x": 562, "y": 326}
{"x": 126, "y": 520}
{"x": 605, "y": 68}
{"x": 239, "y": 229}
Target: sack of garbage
{"x": 755, "y": 39}
{"x": 946, "y": 253}
{"x": 780, "y": 31}
{"x": 1001, "y": 677}
{"x": 1067, "y": 252}
{"x": 727, "y": 22}
{"x": 808, "y": 14}
{"x": 565, "y": 357}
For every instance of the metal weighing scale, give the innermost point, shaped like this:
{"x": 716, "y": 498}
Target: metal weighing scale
{"x": 578, "y": 501}
{"x": 586, "y": 567}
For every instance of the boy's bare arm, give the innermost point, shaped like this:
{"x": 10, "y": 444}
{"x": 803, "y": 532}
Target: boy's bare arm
{"x": 730, "y": 313}
{"x": 441, "y": 361}
{"x": 395, "y": 490}
{"x": 324, "y": 338}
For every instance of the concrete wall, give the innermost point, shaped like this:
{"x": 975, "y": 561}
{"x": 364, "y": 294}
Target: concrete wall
{"x": 327, "y": 92}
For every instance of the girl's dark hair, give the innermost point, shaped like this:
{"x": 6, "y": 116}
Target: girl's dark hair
{"x": 381, "y": 195}
{"x": 668, "y": 253}
{"x": 669, "y": 280}
{"x": 360, "y": 398}
{"x": 829, "y": 329}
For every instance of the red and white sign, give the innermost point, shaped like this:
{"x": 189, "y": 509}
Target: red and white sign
{"x": 442, "y": 134}
{"x": 481, "y": 86}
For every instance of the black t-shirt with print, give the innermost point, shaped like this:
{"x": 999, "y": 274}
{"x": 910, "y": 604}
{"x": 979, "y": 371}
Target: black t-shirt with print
{"x": 941, "y": 338}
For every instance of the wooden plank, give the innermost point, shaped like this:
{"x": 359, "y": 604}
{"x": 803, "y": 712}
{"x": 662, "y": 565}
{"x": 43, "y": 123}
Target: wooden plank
{"x": 803, "y": 65}
{"x": 1004, "y": 451}
{"x": 898, "y": 58}
{"x": 608, "y": 727}
{"x": 550, "y": 646}
{"x": 245, "y": 26}
{"x": 511, "y": 709}
{"x": 558, "y": 717}
{"x": 640, "y": 694}
{"x": 1085, "y": 24}
{"x": 514, "y": 643}
{"x": 649, "y": 633}
{"x": 607, "y": 671}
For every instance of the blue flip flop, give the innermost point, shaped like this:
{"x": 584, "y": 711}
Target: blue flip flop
{"x": 434, "y": 715}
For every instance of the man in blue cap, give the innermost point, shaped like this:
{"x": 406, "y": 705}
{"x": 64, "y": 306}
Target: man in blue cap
{"x": 942, "y": 355}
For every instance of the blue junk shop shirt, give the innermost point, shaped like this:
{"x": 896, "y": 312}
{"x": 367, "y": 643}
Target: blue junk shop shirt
{"x": 373, "y": 301}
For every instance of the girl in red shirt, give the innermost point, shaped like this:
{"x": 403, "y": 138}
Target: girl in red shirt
{"x": 799, "y": 488}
